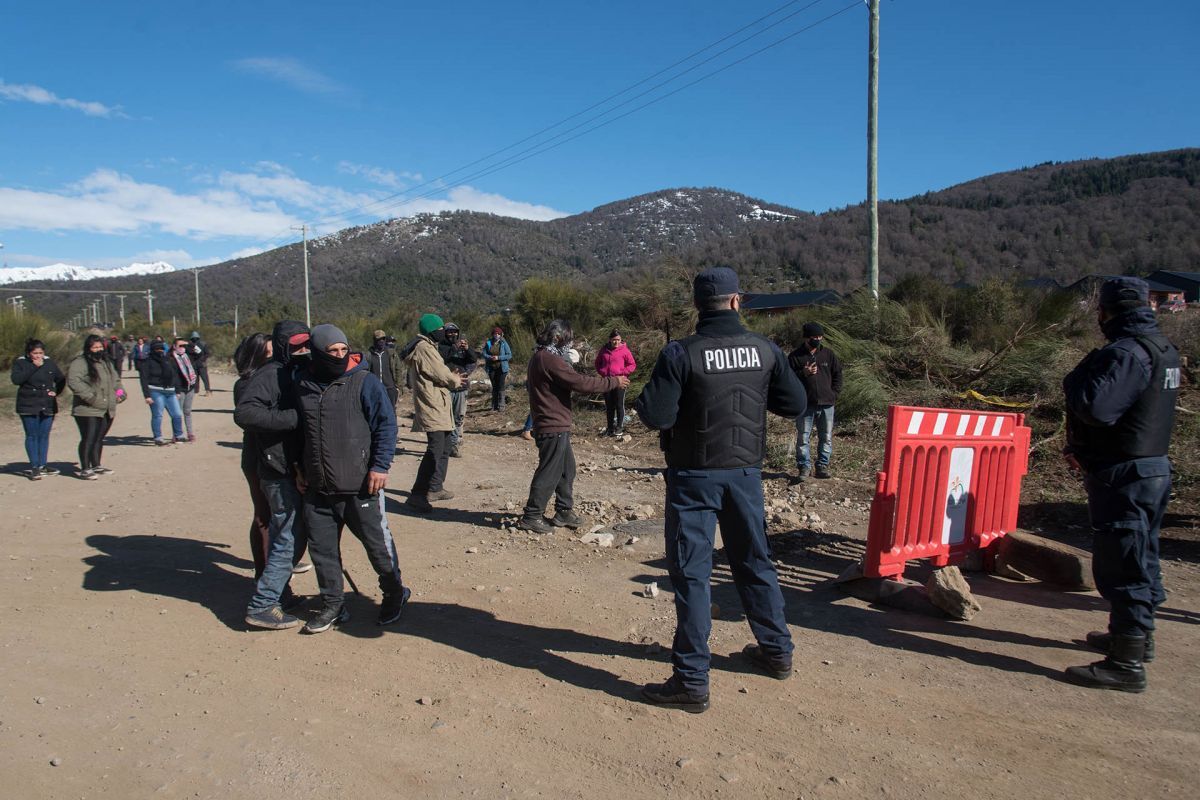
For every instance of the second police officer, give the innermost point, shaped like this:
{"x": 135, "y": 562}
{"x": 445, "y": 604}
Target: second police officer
{"x": 708, "y": 397}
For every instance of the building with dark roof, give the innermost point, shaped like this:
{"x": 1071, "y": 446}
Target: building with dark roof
{"x": 1160, "y": 293}
{"x": 771, "y": 304}
{"x": 1188, "y": 281}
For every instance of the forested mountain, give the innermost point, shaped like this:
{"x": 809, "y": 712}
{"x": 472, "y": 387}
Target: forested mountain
{"x": 1130, "y": 214}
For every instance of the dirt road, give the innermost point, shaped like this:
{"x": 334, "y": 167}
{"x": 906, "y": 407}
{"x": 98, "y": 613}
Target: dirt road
{"x": 126, "y": 670}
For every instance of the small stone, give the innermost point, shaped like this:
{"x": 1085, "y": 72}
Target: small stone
{"x": 744, "y": 690}
{"x": 437, "y": 725}
{"x": 472, "y": 550}
{"x": 56, "y": 761}
{"x": 598, "y": 539}
{"x": 479, "y": 588}
{"x": 191, "y": 674}
{"x": 650, "y": 590}
{"x": 425, "y": 701}
{"x": 949, "y": 591}
{"x": 39, "y": 700}
{"x": 730, "y": 777}
{"x": 827, "y": 663}
{"x": 685, "y": 761}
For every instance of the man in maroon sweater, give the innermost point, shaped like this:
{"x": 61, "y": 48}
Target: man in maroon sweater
{"x": 550, "y": 380}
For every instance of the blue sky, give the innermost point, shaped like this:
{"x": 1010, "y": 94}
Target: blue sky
{"x": 192, "y": 133}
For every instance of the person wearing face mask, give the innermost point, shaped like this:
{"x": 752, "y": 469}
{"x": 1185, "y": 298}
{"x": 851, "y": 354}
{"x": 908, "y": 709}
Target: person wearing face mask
{"x": 821, "y": 373}
{"x": 162, "y": 385}
{"x": 550, "y": 381}
{"x": 348, "y": 426}
{"x": 199, "y": 352}
{"x": 186, "y": 377}
{"x": 496, "y": 355}
{"x": 431, "y": 382}
{"x": 39, "y": 382}
{"x": 461, "y": 358}
{"x": 265, "y": 409}
{"x": 97, "y": 390}
{"x": 384, "y": 364}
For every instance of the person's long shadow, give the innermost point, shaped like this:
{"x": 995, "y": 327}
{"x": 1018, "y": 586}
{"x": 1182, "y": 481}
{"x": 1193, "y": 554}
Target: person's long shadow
{"x": 517, "y": 644}
{"x": 125, "y": 441}
{"x": 168, "y": 566}
{"x": 811, "y": 602}
{"x": 212, "y": 410}
{"x": 443, "y": 513}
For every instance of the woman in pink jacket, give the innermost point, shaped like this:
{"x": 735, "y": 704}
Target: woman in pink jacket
{"x": 613, "y": 360}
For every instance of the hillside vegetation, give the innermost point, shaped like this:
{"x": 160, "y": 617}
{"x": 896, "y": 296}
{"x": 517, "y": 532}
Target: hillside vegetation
{"x": 1123, "y": 215}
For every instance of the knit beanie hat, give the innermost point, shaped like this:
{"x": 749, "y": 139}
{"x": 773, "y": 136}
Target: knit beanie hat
{"x": 325, "y": 335}
{"x": 429, "y": 323}
{"x": 813, "y": 329}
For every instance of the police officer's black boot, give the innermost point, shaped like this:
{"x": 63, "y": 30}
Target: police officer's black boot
{"x": 1102, "y": 640}
{"x": 1122, "y": 670}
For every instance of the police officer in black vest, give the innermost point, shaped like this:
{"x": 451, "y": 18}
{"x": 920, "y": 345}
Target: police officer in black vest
{"x": 708, "y": 397}
{"x": 1120, "y": 409}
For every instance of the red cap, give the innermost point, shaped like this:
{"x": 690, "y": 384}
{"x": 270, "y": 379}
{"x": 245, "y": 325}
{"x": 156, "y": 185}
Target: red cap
{"x": 298, "y": 338}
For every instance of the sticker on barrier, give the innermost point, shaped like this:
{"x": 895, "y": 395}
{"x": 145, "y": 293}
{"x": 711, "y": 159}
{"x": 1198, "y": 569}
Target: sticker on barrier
{"x": 951, "y": 483}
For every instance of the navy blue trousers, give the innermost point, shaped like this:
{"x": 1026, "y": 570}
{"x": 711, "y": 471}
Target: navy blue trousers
{"x": 696, "y": 501}
{"x": 1126, "y": 502}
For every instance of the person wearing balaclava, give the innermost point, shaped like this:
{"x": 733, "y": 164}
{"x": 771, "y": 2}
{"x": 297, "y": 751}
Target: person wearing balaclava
{"x": 162, "y": 383}
{"x": 349, "y": 429}
{"x": 1120, "y": 408}
{"x": 96, "y": 388}
{"x": 265, "y": 409}
{"x": 821, "y": 373}
{"x": 431, "y": 382}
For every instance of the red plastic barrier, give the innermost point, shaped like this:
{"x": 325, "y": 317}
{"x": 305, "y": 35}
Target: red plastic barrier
{"x": 951, "y": 483}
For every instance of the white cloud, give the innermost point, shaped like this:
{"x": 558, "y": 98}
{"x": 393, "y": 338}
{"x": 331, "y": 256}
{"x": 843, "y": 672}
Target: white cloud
{"x": 467, "y": 198}
{"x": 280, "y": 183}
{"x": 291, "y": 72}
{"x": 176, "y": 257}
{"x": 108, "y": 202}
{"x": 379, "y": 175}
{"x": 28, "y": 93}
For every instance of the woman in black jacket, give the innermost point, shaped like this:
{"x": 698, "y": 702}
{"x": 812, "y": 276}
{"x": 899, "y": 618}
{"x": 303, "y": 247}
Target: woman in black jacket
{"x": 160, "y": 383}
{"x": 40, "y": 382}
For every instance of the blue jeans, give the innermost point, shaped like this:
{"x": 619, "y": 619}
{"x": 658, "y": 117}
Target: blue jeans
{"x": 37, "y": 437}
{"x": 820, "y": 417}
{"x": 287, "y": 540}
{"x": 696, "y": 501}
{"x": 169, "y": 401}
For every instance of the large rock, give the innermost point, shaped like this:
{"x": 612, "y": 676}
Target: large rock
{"x": 901, "y": 593}
{"x": 948, "y": 590}
{"x": 1044, "y": 559}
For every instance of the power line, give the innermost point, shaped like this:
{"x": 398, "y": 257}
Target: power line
{"x": 545, "y": 147}
{"x": 384, "y": 202}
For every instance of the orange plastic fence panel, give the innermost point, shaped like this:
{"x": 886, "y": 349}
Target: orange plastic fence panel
{"x": 951, "y": 483}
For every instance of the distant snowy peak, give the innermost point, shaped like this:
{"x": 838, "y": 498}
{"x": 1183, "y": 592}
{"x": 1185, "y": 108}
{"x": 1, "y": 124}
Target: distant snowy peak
{"x": 71, "y": 272}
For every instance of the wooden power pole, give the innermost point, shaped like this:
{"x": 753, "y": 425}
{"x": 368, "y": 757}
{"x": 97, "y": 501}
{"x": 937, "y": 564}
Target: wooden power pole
{"x": 873, "y": 153}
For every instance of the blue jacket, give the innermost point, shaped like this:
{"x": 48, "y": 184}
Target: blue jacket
{"x": 490, "y": 349}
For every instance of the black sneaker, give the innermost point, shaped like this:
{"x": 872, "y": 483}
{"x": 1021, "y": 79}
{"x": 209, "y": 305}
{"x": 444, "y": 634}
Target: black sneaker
{"x": 327, "y": 619}
{"x": 49, "y": 471}
{"x": 779, "y": 668}
{"x": 566, "y": 519}
{"x": 536, "y": 524}
{"x": 454, "y": 453}
{"x": 87, "y": 475}
{"x": 672, "y": 695}
{"x": 99, "y": 470}
{"x": 32, "y": 474}
{"x": 440, "y": 494}
{"x": 418, "y": 503}
{"x": 273, "y": 619}
{"x": 392, "y": 607}
{"x": 161, "y": 442}
{"x": 822, "y": 472}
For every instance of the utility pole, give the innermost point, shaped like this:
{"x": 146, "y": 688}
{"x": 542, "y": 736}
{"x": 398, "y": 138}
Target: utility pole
{"x": 104, "y": 298}
{"x": 307, "y": 304}
{"x": 150, "y": 305}
{"x": 85, "y": 317}
{"x": 873, "y": 153}
{"x": 121, "y": 297}
{"x": 96, "y": 312}
{"x": 196, "y": 274}
{"x": 174, "y": 328}
{"x": 235, "y": 322}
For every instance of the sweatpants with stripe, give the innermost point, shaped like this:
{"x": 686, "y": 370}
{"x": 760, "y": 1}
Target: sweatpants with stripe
{"x": 326, "y": 515}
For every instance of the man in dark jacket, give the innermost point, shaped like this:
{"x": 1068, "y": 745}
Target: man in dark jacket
{"x": 550, "y": 380}
{"x": 821, "y": 373}
{"x": 459, "y": 356}
{"x": 382, "y": 361}
{"x": 265, "y": 407}
{"x": 708, "y": 397}
{"x": 116, "y": 353}
{"x": 349, "y": 428}
{"x": 199, "y": 352}
{"x": 1120, "y": 411}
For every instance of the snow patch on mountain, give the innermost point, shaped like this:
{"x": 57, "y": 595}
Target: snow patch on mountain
{"x": 73, "y": 272}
